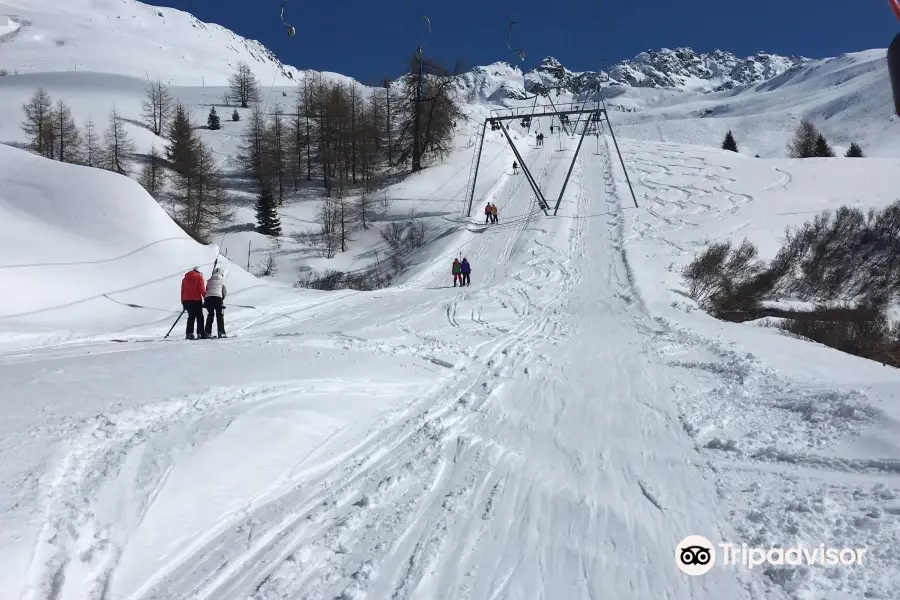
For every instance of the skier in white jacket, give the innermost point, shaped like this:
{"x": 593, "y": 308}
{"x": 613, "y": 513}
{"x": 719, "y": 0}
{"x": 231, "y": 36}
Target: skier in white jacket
{"x": 215, "y": 302}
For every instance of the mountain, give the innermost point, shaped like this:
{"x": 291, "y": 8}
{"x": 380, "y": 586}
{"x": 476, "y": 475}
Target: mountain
{"x": 126, "y": 37}
{"x": 682, "y": 69}
{"x": 686, "y": 69}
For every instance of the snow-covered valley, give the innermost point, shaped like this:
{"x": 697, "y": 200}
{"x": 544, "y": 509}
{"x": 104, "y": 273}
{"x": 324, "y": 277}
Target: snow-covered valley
{"x": 553, "y": 430}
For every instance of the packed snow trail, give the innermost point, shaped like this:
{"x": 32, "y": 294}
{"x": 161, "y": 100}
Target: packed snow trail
{"x": 513, "y": 439}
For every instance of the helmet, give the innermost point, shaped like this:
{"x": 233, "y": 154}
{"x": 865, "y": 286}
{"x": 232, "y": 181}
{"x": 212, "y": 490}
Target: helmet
{"x": 196, "y": 269}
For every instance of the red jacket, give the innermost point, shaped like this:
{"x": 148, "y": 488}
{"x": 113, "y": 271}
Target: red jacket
{"x": 193, "y": 287}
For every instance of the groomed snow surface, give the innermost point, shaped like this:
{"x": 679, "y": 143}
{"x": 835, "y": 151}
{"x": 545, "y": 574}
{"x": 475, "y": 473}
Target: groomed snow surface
{"x": 552, "y": 431}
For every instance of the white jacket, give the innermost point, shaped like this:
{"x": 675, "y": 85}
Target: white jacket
{"x": 215, "y": 287}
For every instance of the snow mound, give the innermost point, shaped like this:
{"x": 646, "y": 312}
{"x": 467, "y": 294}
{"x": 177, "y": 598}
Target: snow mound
{"x": 80, "y": 245}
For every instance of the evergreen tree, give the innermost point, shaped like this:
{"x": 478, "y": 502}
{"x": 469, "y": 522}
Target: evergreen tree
{"x": 235, "y": 116}
{"x": 267, "y": 219}
{"x": 823, "y": 148}
{"x": 804, "y": 143}
{"x": 182, "y": 142}
{"x": 213, "y": 120}
{"x": 854, "y": 151}
{"x": 729, "y": 143}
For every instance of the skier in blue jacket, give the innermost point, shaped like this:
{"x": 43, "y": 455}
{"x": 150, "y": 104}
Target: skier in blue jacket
{"x": 466, "y": 270}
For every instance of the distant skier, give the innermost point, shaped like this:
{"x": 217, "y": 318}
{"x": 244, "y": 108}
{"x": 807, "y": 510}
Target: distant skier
{"x": 215, "y": 300}
{"x": 494, "y": 213}
{"x": 457, "y": 272}
{"x": 515, "y": 168}
{"x": 551, "y": 130}
{"x": 466, "y": 270}
{"x": 193, "y": 290}
{"x": 487, "y": 214}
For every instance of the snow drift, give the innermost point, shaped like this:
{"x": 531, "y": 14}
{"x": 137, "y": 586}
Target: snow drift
{"x": 81, "y": 245}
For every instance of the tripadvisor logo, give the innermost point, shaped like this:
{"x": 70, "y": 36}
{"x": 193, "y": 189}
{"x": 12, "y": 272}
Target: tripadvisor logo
{"x": 696, "y": 555}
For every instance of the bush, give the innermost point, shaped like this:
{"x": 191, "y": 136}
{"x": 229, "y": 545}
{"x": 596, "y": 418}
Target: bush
{"x": 870, "y": 335}
{"x": 722, "y": 278}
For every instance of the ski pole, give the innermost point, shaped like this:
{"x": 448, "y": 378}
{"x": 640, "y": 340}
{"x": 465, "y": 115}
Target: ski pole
{"x": 175, "y": 323}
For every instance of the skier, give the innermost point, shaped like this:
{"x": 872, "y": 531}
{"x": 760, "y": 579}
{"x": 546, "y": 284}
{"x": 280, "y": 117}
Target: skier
{"x": 494, "y": 213}
{"x": 515, "y": 167}
{"x": 551, "y": 130}
{"x": 193, "y": 290}
{"x": 215, "y": 299}
{"x": 466, "y": 270}
{"x": 457, "y": 272}
{"x": 487, "y": 214}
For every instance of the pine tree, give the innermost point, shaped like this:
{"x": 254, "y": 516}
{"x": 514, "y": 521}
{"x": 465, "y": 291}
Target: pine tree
{"x": 152, "y": 175}
{"x": 823, "y": 148}
{"x": 182, "y": 141}
{"x": 66, "y": 136}
{"x": 243, "y": 86}
{"x": 854, "y": 151}
{"x": 267, "y": 219}
{"x": 213, "y": 120}
{"x": 235, "y": 116}
{"x": 729, "y": 143}
{"x": 804, "y": 143}
{"x": 91, "y": 151}
{"x": 116, "y": 145}
{"x": 157, "y": 107}
{"x": 38, "y": 122}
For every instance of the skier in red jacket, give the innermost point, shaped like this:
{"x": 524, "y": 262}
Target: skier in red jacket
{"x": 193, "y": 291}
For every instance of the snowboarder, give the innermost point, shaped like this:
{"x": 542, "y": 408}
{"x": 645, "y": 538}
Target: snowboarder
{"x": 193, "y": 290}
{"x": 215, "y": 299}
{"x": 457, "y": 272}
{"x": 466, "y": 269}
{"x": 515, "y": 167}
{"x": 494, "y": 213}
{"x": 487, "y": 214}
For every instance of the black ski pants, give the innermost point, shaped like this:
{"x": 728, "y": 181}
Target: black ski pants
{"x": 194, "y": 310}
{"x": 214, "y": 308}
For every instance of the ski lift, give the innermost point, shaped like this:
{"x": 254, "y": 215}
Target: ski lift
{"x": 595, "y": 116}
{"x": 893, "y": 60}
{"x": 291, "y": 31}
{"x": 511, "y": 49}
{"x": 526, "y": 121}
{"x": 495, "y": 126}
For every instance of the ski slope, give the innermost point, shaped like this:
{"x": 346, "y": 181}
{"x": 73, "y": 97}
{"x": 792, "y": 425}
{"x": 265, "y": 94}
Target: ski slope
{"x": 551, "y": 431}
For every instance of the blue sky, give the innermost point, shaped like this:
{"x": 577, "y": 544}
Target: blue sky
{"x": 372, "y": 39}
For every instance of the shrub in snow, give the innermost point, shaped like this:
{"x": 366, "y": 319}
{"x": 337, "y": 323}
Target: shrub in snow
{"x": 235, "y": 116}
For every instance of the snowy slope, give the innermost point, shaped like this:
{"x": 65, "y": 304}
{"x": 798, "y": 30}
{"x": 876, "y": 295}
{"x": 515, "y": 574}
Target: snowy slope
{"x": 41, "y": 36}
{"x": 552, "y": 431}
{"x": 80, "y": 246}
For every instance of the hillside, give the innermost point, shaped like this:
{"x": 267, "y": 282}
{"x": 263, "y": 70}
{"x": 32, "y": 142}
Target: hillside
{"x": 90, "y": 253}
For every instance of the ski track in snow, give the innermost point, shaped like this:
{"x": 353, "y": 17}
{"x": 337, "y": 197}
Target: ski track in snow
{"x": 507, "y": 477}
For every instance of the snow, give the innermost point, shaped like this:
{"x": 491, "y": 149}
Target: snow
{"x": 554, "y": 430}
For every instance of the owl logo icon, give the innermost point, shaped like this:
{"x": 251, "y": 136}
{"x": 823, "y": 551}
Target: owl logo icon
{"x": 695, "y": 555}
